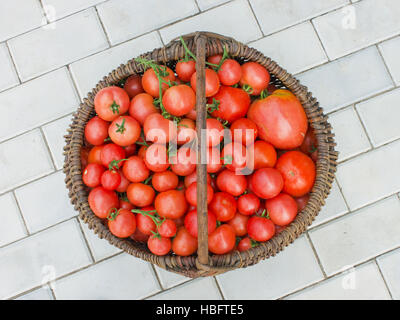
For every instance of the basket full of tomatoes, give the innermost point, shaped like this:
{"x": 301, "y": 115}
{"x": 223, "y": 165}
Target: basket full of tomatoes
{"x": 201, "y": 157}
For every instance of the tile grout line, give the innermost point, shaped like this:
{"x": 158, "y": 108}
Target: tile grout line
{"x": 197, "y": 5}
{"x": 48, "y": 148}
{"x": 316, "y": 254}
{"x": 42, "y": 6}
{"x": 363, "y": 126}
{"x": 22, "y": 217}
{"x": 160, "y": 37}
{"x": 169, "y": 289}
{"x": 13, "y": 65}
{"x": 103, "y": 27}
{"x": 383, "y": 278}
{"x": 255, "y": 18}
{"x": 384, "y": 63}
{"x": 219, "y": 288}
{"x": 157, "y": 277}
{"x": 320, "y": 41}
{"x": 85, "y": 239}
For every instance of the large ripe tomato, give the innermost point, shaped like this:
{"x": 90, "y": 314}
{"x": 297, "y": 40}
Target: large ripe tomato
{"x": 260, "y": 228}
{"x": 248, "y": 204}
{"x": 280, "y": 119}
{"x": 222, "y": 240}
{"x": 95, "y": 154}
{"x": 159, "y": 245}
{"x": 110, "y": 179}
{"x": 135, "y": 170}
{"x": 150, "y": 81}
{"x": 309, "y": 145}
{"x": 255, "y": 76}
{"x": 111, "y": 152}
{"x": 140, "y": 194}
{"x": 185, "y": 69}
{"x": 224, "y": 206}
{"x": 111, "y": 102}
{"x": 186, "y": 131}
{"x": 122, "y": 223}
{"x": 212, "y": 82}
{"x": 96, "y": 130}
{"x": 298, "y": 171}
{"x": 230, "y": 72}
{"x": 191, "y": 222}
{"x": 179, "y": 100}
{"x": 158, "y": 129}
{"x": 214, "y": 133}
{"x": 124, "y": 131}
{"x": 184, "y": 244}
{"x": 282, "y": 209}
{"x": 239, "y": 224}
{"x": 156, "y": 158}
{"x": 184, "y": 162}
{"x": 164, "y": 181}
{"x": 133, "y": 85}
{"x": 233, "y": 103}
{"x": 231, "y": 183}
{"x": 92, "y": 175}
{"x": 142, "y": 106}
{"x": 244, "y": 131}
{"x": 264, "y": 155}
{"x": 234, "y": 156}
{"x": 101, "y": 201}
{"x": 214, "y": 162}
{"x": 191, "y": 194}
{"x": 171, "y": 204}
{"x": 266, "y": 182}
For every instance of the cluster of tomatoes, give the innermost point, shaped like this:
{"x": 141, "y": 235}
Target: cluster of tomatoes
{"x": 140, "y": 160}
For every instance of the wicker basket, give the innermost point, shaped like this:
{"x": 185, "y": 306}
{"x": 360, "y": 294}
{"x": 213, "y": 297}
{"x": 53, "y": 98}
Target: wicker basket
{"x": 202, "y": 264}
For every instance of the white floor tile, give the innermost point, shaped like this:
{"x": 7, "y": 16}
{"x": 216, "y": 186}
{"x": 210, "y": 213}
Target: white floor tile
{"x": 389, "y": 265}
{"x": 390, "y": 51}
{"x": 11, "y": 227}
{"x": 169, "y": 279}
{"x": 8, "y": 76}
{"x": 43, "y": 293}
{"x": 207, "y": 4}
{"x": 56, "y": 9}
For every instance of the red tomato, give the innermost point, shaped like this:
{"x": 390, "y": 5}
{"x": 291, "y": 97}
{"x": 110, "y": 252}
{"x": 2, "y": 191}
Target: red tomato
{"x": 158, "y": 129}
{"x": 298, "y": 171}
{"x": 191, "y": 222}
{"x": 167, "y": 228}
{"x": 189, "y": 179}
{"x": 280, "y": 119}
{"x": 186, "y": 131}
{"x": 224, "y": 206}
{"x": 260, "y": 228}
{"x": 95, "y": 155}
{"x": 184, "y": 163}
{"x": 92, "y": 175}
{"x": 164, "y": 181}
{"x": 124, "y": 131}
{"x": 266, "y": 183}
{"x": 125, "y": 204}
{"x": 150, "y": 81}
{"x": 111, "y": 152}
{"x": 123, "y": 184}
{"x": 184, "y": 244}
{"x": 244, "y": 131}
{"x": 84, "y": 156}
{"x": 140, "y": 195}
{"x": 282, "y": 209}
{"x": 145, "y": 224}
{"x": 239, "y": 224}
{"x": 101, "y": 201}
{"x": 130, "y": 150}
{"x": 122, "y": 223}
{"x": 185, "y": 69}
{"x": 248, "y": 204}
{"x": 255, "y": 76}
{"x": 135, "y": 169}
{"x": 222, "y": 240}
{"x": 142, "y": 151}
{"x": 234, "y": 103}
{"x": 231, "y": 183}
{"x": 111, "y": 102}
{"x": 234, "y": 156}
{"x": 179, "y": 100}
{"x": 191, "y": 194}
{"x": 244, "y": 244}
{"x": 133, "y": 85}
{"x": 156, "y": 158}
{"x": 214, "y": 163}
{"x": 171, "y": 204}
{"x": 110, "y": 179}
{"x": 212, "y": 82}
{"x": 302, "y": 202}
{"x": 139, "y": 236}
{"x": 214, "y": 133}
{"x": 230, "y": 72}
{"x": 141, "y": 107}
{"x": 96, "y": 130}
{"x": 309, "y": 145}
{"x": 264, "y": 155}
{"x": 158, "y": 245}
{"x": 215, "y": 59}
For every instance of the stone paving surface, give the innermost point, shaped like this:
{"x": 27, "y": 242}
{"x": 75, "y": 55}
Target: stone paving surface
{"x": 52, "y": 52}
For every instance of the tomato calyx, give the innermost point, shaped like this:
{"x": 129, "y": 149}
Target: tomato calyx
{"x": 121, "y": 127}
{"x": 123, "y": 196}
{"x": 227, "y": 159}
{"x": 264, "y": 94}
{"x": 265, "y": 214}
{"x": 248, "y": 88}
{"x": 114, "y": 212}
{"x": 214, "y": 106}
{"x": 225, "y": 56}
{"x": 114, "y": 164}
{"x": 108, "y": 139}
{"x": 115, "y": 107}
{"x": 254, "y": 243}
{"x": 155, "y": 217}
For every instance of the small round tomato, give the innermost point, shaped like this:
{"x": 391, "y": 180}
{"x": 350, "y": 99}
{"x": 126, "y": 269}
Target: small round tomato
{"x": 101, "y": 201}
{"x": 123, "y": 184}
{"x": 110, "y": 179}
{"x": 159, "y": 245}
{"x": 191, "y": 222}
{"x": 171, "y": 204}
{"x": 298, "y": 171}
{"x": 222, "y": 240}
{"x": 230, "y": 72}
{"x": 122, "y": 223}
{"x": 150, "y": 81}
{"x": 239, "y": 224}
{"x": 214, "y": 133}
{"x": 266, "y": 183}
{"x": 142, "y": 106}
{"x": 135, "y": 170}
{"x": 111, "y": 102}
{"x": 255, "y": 76}
{"x": 248, "y": 204}
{"x": 192, "y": 114}
{"x": 214, "y": 163}
{"x": 179, "y": 100}
{"x": 264, "y": 155}
{"x": 139, "y": 236}
{"x": 245, "y": 244}
{"x": 184, "y": 163}
{"x": 140, "y": 194}
{"x": 234, "y": 156}
{"x": 184, "y": 244}
{"x": 142, "y": 151}
{"x": 158, "y": 129}
{"x": 309, "y": 145}
{"x": 185, "y": 69}
{"x": 164, "y": 181}
{"x": 212, "y": 82}
{"x": 144, "y": 222}
{"x": 96, "y": 130}
{"x": 215, "y": 59}
{"x": 130, "y": 150}
{"x": 189, "y": 179}
{"x": 302, "y": 202}
{"x": 125, "y": 204}
{"x": 156, "y": 158}
{"x": 282, "y": 209}
{"x": 260, "y": 228}
{"x": 133, "y": 85}
{"x": 92, "y": 175}
{"x": 95, "y": 154}
{"x": 186, "y": 131}
{"x": 111, "y": 152}
{"x": 167, "y": 228}
{"x": 191, "y": 194}
{"x": 224, "y": 206}
{"x": 244, "y": 131}
{"x": 124, "y": 131}
{"x": 231, "y": 183}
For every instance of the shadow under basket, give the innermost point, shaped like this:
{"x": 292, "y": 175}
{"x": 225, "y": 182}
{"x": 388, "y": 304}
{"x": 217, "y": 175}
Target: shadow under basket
{"x": 203, "y": 263}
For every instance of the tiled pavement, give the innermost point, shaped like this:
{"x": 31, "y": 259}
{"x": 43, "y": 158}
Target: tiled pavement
{"x": 53, "y": 51}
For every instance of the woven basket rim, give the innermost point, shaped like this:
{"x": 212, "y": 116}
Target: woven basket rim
{"x": 190, "y": 266}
